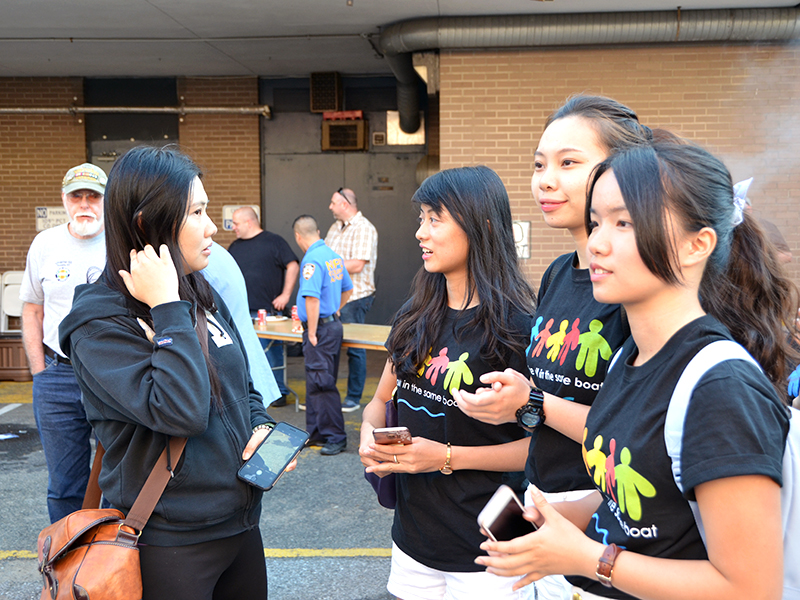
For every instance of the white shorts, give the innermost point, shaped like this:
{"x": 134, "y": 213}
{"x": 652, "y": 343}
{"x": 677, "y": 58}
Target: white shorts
{"x": 411, "y": 580}
{"x": 555, "y": 587}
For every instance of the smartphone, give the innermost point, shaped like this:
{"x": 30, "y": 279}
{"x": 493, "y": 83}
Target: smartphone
{"x": 502, "y": 518}
{"x": 392, "y": 435}
{"x": 273, "y": 455}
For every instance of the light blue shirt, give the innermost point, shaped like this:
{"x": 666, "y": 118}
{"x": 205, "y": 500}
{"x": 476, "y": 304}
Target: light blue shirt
{"x": 226, "y": 278}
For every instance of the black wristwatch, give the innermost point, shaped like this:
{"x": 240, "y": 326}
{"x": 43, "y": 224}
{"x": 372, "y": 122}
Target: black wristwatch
{"x": 530, "y": 416}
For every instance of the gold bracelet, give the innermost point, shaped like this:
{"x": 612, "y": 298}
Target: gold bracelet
{"x": 446, "y": 468}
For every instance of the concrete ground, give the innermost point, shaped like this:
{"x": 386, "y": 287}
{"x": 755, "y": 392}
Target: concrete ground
{"x": 325, "y": 536}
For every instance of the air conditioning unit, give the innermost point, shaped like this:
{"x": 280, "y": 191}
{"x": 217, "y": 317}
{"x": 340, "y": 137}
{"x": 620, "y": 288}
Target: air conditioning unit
{"x": 344, "y": 135}
{"x": 326, "y": 92}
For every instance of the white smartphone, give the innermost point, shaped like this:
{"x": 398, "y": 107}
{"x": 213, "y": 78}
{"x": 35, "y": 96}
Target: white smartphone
{"x": 391, "y": 435}
{"x": 502, "y": 518}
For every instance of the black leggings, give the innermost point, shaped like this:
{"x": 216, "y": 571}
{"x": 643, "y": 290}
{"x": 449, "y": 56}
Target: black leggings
{"x": 228, "y": 569}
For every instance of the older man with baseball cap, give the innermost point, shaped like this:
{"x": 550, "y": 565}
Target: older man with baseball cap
{"x": 60, "y": 259}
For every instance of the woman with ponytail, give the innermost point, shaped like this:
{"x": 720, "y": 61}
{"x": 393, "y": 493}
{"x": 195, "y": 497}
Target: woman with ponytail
{"x": 669, "y": 243}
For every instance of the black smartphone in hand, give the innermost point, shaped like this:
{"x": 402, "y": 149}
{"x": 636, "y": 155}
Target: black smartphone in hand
{"x": 273, "y": 455}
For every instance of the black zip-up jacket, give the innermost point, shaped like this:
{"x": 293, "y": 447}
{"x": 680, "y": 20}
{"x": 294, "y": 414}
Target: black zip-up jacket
{"x": 138, "y": 392}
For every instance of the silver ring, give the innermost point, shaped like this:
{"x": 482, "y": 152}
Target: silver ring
{"x": 397, "y": 462}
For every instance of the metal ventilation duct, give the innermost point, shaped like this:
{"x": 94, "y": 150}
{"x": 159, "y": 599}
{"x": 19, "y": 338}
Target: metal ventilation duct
{"x": 400, "y": 40}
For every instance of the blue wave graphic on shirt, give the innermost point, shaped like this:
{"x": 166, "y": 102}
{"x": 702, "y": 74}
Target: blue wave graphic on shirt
{"x": 600, "y": 530}
{"x": 420, "y": 408}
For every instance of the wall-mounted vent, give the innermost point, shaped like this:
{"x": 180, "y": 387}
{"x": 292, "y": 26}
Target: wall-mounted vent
{"x": 326, "y": 92}
{"x": 344, "y": 135}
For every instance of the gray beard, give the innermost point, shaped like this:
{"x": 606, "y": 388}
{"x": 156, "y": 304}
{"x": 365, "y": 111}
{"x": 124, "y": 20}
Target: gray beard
{"x": 86, "y": 228}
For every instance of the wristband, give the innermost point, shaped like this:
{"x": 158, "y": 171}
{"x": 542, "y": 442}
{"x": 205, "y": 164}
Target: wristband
{"x": 263, "y": 426}
{"x": 605, "y": 565}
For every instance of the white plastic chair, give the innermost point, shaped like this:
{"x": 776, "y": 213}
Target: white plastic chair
{"x": 10, "y": 305}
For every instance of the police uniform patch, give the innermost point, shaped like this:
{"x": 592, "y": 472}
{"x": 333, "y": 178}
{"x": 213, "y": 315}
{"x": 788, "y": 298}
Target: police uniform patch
{"x": 308, "y": 271}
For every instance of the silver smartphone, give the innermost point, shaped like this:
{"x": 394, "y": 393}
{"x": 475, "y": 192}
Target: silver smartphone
{"x": 502, "y": 518}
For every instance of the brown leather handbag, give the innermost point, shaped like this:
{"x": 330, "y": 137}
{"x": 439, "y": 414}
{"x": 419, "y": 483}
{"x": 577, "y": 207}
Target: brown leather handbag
{"x": 92, "y": 554}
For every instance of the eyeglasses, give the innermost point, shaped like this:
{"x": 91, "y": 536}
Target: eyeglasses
{"x": 340, "y": 191}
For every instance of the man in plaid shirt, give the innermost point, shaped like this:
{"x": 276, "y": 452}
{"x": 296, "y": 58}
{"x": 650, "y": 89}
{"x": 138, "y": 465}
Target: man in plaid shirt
{"x": 355, "y": 239}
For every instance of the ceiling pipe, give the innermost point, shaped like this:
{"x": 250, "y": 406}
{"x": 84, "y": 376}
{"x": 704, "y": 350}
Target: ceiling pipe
{"x": 399, "y": 40}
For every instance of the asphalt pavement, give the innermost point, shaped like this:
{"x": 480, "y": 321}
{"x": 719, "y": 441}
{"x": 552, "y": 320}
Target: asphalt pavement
{"x": 325, "y": 535}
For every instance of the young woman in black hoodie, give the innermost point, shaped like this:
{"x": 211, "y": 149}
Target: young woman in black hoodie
{"x": 157, "y": 356}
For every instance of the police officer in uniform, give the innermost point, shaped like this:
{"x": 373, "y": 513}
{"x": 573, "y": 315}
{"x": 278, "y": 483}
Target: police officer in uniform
{"x": 325, "y": 287}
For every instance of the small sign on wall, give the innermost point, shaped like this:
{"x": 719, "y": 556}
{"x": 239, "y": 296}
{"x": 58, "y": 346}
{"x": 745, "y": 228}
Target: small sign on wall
{"x": 227, "y": 214}
{"x": 522, "y": 236}
{"x": 50, "y": 216}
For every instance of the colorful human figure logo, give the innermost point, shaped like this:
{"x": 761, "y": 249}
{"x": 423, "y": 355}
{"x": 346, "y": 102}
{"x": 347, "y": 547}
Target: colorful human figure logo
{"x": 534, "y": 335}
{"x": 458, "y": 371}
{"x": 556, "y": 340}
{"x": 437, "y": 365}
{"x": 592, "y": 345}
{"x": 621, "y": 481}
{"x": 571, "y": 341}
{"x": 542, "y": 336}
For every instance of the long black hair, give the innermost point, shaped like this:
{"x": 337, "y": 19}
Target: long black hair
{"x": 146, "y": 202}
{"x": 477, "y": 200}
{"x": 743, "y": 284}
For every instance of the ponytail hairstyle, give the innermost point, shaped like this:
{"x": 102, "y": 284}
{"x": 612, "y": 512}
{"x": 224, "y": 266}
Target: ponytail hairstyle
{"x": 477, "y": 200}
{"x": 743, "y": 284}
{"x": 147, "y": 202}
{"x": 616, "y": 125}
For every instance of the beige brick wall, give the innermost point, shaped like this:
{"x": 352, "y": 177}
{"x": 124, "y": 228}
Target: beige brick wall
{"x": 737, "y": 101}
{"x": 225, "y": 146}
{"x": 35, "y": 152}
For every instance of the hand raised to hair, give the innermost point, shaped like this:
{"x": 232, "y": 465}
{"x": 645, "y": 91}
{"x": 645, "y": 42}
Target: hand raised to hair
{"x": 152, "y": 279}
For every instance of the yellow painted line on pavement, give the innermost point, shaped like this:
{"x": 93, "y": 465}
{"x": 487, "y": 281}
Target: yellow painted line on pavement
{"x": 268, "y": 553}
{"x": 6, "y": 554}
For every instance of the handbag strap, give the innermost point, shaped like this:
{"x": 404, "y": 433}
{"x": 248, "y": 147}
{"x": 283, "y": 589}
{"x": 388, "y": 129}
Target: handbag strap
{"x": 151, "y": 491}
{"x": 93, "y": 494}
{"x": 154, "y": 486}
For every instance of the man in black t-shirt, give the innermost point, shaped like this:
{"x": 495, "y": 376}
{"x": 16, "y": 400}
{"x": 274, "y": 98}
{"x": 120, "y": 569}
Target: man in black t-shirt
{"x": 270, "y": 270}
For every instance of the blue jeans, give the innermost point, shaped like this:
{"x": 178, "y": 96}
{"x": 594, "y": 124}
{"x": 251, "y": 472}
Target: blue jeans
{"x": 65, "y": 434}
{"x": 355, "y": 311}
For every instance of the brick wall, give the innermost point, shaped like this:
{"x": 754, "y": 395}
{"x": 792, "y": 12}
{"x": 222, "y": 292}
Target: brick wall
{"x": 737, "y": 101}
{"x": 226, "y": 147}
{"x": 35, "y": 152}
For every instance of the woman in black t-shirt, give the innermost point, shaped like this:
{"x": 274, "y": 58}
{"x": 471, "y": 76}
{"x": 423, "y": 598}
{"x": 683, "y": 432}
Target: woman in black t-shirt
{"x": 469, "y": 313}
{"x": 573, "y": 336}
{"x": 671, "y": 244}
